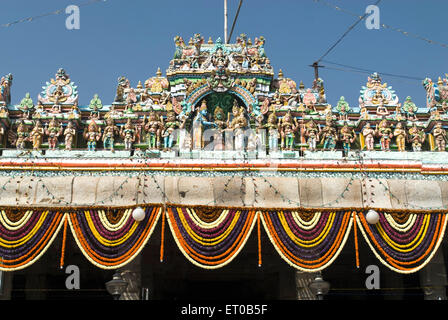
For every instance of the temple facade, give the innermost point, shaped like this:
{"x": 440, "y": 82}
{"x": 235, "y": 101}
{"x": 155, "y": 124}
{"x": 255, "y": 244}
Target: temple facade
{"x": 223, "y": 172}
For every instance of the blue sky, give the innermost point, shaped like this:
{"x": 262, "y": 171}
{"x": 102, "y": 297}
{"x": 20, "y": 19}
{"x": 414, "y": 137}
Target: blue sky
{"x": 135, "y": 37}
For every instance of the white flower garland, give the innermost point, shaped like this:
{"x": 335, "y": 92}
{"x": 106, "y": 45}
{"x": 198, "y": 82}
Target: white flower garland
{"x": 8, "y": 224}
{"x": 304, "y": 224}
{"x": 401, "y": 227}
{"x": 207, "y": 225}
{"x": 117, "y": 226}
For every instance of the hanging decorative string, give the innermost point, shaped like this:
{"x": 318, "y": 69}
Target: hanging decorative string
{"x": 385, "y": 26}
{"x": 56, "y": 12}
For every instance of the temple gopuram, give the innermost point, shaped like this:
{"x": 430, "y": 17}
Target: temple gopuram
{"x": 223, "y": 177}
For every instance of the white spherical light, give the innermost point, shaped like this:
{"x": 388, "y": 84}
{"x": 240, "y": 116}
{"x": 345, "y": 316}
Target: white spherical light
{"x": 372, "y": 217}
{"x": 138, "y": 214}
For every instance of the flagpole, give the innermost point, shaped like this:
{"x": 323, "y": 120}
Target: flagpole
{"x": 225, "y": 21}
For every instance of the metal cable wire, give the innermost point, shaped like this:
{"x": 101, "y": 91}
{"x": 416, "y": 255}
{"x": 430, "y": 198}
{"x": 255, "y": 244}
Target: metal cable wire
{"x": 56, "y": 12}
{"x": 350, "y": 28}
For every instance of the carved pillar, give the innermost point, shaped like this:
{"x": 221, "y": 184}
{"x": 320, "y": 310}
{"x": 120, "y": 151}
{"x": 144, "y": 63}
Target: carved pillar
{"x": 433, "y": 278}
{"x": 131, "y": 273}
{"x": 303, "y": 280}
{"x": 5, "y": 285}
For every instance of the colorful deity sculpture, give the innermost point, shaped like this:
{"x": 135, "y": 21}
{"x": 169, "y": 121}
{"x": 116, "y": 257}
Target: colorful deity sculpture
{"x": 26, "y": 105}
{"x": 109, "y": 134}
{"x": 95, "y": 105}
{"x": 200, "y": 124}
{"x": 169, "y": 133}
{"x": 343, "y": 109}
{"x": 153, "y": 129}
{"x": 92, "y": 134}
{"x": 238, "y": 126}
{"x": 369, "y": 136}
{"x": 69, "y": 134}
{"x": 329, "y": 136}
{"x": 398, "y": 116}
{"x": 127, "y": 132}
{"x": 400, "y": 137}
{"x": 53, "y": 131}
{"x": 409, "y": 108}
{"x": 5, "y": 89}
{"x": 416, "y": 137}
{"x": 221, "y": 124}
{"x": 347, "y": 137}
{"x": 312, "y": 133}
{"x": 288, "y": 126}
{"x": 273, "y": 132}
{"x": 385, "y": 133}
{"x": 439, "y": 137}
{"x": 22, "y": 135}
{"x": 36, "y": 135}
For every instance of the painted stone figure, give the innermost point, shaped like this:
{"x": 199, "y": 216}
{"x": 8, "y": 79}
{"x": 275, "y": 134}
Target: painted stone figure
{"x": 5, "y": 89}
{"x": 417, "y": 138}
{"x": 238, "y": 125}
{"x": 53, "y": 131}
{"x": 109, "y": 135}
{"x": 92, "y": 134}
{"x": 153, "y": 129}
{"x": 26, "y": 106}
{"x": 343, "y": 109}
{"x": 347, "y": 137}
{"x": 37, "y": 135}
{"x": 128, "y": 134}
{"x": 369, "y": 136}
{"x": 95, "y": 105}
{"x": 312, "y": 133}
{"x": 169, "y": 133}
{"x": 400, "y": 137}
{"x": 200, "y": 124}
{"x": 22, "y": 135}
{"x": 273, "y": 132}
{"x": 221, "y": 124}
{"x": 329, "y": 136}
{"x": 69, "y": 134}
{"x": 409, "y": 108}
{"x": 439, "y": 137}
{"x": 385, "y": 133}
{"x": 288, "y": 126}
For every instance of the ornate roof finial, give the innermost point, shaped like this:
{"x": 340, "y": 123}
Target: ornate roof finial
{"x": 210, "y": 41}
{"x": 301, "y": 85}
{"x": 159, "y": 73}
{"x": 139, "y": 85}
{"x": 280, "y": 74}
{"x": 190, "y": 43}
{"x": 249, "y": 42}
{"x": 440, "y": 82}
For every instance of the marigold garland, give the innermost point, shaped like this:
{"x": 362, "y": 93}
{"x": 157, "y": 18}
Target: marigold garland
{"x": 308, "y": 250}
{"x": 210, "y": 245}
{"x": 404, "y": 248}
{"x": 22, "y": 243}
{"x": 64, "y": 238}
{"x": 211, "y": 237}
{"x": 112, "y": 249}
